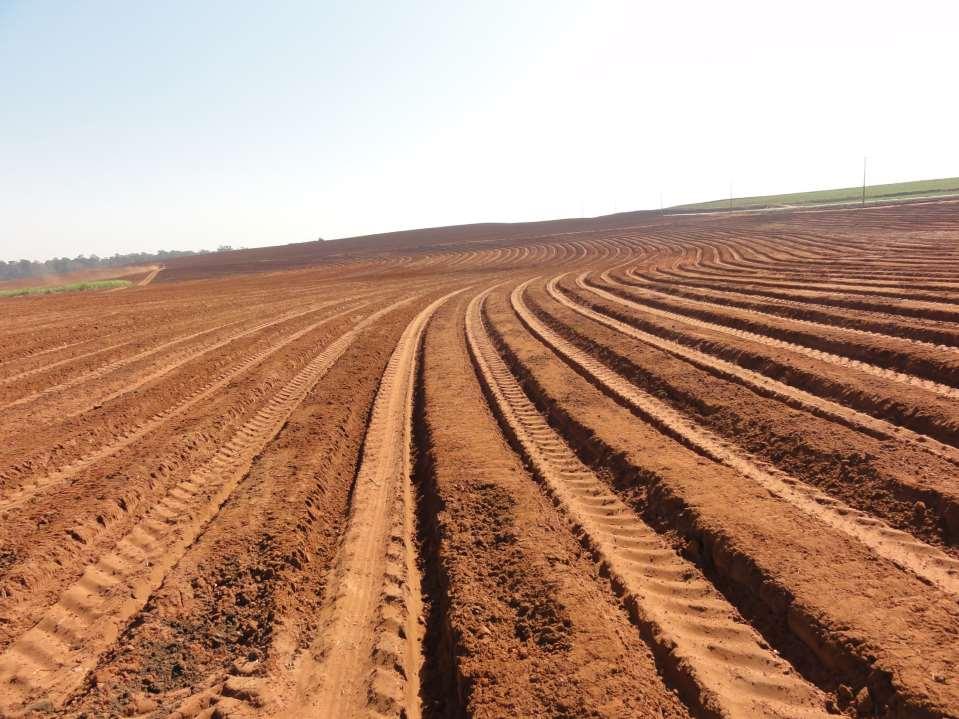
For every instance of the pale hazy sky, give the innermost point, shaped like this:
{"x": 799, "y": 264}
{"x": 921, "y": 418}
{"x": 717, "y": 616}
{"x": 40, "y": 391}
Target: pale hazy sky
{"x": 129, "y": 126}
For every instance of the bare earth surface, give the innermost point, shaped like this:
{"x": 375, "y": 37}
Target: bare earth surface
{"x": 634, "y": 466}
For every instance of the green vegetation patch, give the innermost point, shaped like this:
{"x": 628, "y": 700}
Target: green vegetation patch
{"x": 874, "y": 193}
{"x": 74, "y": 287}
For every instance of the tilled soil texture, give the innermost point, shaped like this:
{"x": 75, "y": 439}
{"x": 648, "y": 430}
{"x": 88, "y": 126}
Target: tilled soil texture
{"x": 634, "y": 466}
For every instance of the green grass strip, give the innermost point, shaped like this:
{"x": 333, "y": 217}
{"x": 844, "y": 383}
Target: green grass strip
{"x": 73, "y": 287}
{"x": 874, "y": 193}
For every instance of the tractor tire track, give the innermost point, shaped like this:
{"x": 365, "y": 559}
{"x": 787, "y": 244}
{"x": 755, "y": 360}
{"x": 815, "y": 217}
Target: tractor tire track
{"x": 25, "y": 492}
{"x": 884, "y": 373}
{"x": 189, "y": 355}
{"x": 821, "y": 598}
{"x": 52, "y": 659}
{"x": 721, "y": 665}
{"x": 369, "y": 643}
{"x": 906, "y": 552}
{"x": 767, "y": 386}
{"x": 944, "y": 504}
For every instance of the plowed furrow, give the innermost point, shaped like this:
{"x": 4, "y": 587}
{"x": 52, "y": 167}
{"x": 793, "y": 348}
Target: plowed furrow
{"x": 257, "y": 575}
{"x": 724, "y": 666}
{"x": 59, "y": 363}
{"x": 767, "y": 386}
{"x": 908, "y": 406}
{"x": 36, "y": 484}
{"x": 751, "y": 314}
{"x": 507, "y": 581}
{"x": 130, "y": 331}
{"x": 52, "y": 659}
{"x": 102, "y": 370}
{"x": 884, "y": 373}
{"x": 40, "y": 353}
{"x": 852, "y": 469}
{"x": 133, "y": 321}
{"x": 902, "y": 549}
{"x": 797, "y": 273}
{"x": 110, "y": 331}
{"x": 181, "y": 359}
{"x": 819, "y": 596}
{"x": 902, "y": 308}
{"x": 368, "y": 645}
{"x": 933, "y": 336}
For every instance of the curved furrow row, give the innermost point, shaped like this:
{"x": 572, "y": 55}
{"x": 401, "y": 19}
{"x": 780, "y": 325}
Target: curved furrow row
{"x": 126, "y": 399}
{"x": 33, "y": 485}
{"x": 774, "y": 322}
{"x": 757, "y": 381}
{"x": 875, "y": 370}
{"x": 944, "y": 504}
{"x": 367, "y": 649}
{"x": 59, "y": 363}
{"x": 41, "y": 353}
{"x": 783, "y": 275}
{"x": 902, "y": 308}
{"x": 180, "y": 358}
{"x": 107, "y": 328}
{"x": 908, "y": 406}
{"x": 819, "y": 596}
{"x": 112, "y": 330}
{"x": 905, "y": 551}
{"x": 508, "y": 584}
{"x": 933, "y": 336}
{"x": 102, "y": 370}
{"x": 723, "y": 667}
{"x": 52, "y": 659}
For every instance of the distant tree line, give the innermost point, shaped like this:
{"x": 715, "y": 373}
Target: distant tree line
{"x": 17, "y": 269}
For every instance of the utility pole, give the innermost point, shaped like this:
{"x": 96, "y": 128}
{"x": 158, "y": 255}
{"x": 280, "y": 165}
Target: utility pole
{"x": 730, "y": 195}
{"x": 863, "y": 180}
{"x": 661, "y": 203}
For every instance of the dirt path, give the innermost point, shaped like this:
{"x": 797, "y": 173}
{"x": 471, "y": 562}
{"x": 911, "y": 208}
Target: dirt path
{"x": 150, "y": 277}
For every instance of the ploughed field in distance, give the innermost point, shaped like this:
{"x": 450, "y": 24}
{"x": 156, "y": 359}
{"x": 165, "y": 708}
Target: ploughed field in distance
{"x": 635, "y": 466}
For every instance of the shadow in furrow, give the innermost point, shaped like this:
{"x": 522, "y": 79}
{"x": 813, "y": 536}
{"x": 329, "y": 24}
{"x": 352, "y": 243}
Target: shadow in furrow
{"x": 443, "y": 690}
{"x": 666, "y": 513}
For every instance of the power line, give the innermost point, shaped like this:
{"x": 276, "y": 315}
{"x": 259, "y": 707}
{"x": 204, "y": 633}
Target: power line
{"x": 863, "y": 180}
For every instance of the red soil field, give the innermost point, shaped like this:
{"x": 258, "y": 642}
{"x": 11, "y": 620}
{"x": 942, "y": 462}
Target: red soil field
{"x": 637, "y": 466}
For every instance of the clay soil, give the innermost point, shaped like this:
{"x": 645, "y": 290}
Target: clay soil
{"x": 636, "y": 466}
